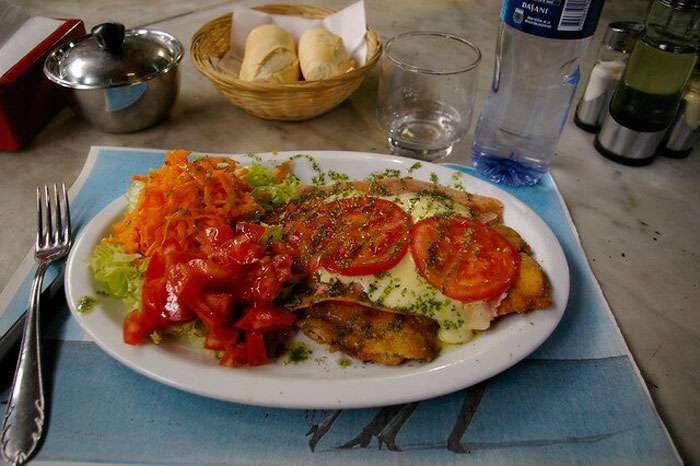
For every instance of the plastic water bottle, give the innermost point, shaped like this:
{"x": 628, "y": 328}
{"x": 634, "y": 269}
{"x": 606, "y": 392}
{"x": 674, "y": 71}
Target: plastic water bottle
{"x": 536, "y": 72}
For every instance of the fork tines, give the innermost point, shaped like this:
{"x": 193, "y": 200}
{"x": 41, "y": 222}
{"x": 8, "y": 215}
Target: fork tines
{"x": 53, "y": 217}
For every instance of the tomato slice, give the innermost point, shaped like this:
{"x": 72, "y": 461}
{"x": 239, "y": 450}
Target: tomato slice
{"x": 266, "y": 319}
{"x": 255, "y": 348}
{"x": 170, "y": 285}
{"x": 305, "y": 234}
{"x": 251, "y": 230}
{"x": 153, "y": 299}
{"x": 221, "y": 338}
{"x": 156, "y": 267}
{"x": 227, "y": 359}
{"x": 263, "y": 282}
{"x": 173, "y": 254}
{"x": 216, "y": 234}
{"x": 235, "y": 357}
{"x": 364, "y": 235}
{"x": 211, "y": 274}
{"x": 240, "y": 250}
{"x": 134, "y": 330}
{"x": 212, "y": 235}
{"x": 464, "y": 259}
{"x": 180, "y": 284}
{"x": 212, "y": 308}
{"x": 241, "y": 247}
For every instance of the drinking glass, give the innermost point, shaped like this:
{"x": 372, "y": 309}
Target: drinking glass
{"x": 427, "y": 85}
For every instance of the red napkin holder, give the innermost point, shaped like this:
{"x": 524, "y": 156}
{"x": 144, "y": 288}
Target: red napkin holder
{"x": 28, "y": 100}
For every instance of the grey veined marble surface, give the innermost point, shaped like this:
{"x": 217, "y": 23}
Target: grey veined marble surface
{"x": 639, "y": 226}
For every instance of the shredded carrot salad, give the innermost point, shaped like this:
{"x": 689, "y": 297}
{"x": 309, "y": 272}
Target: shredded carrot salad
{"x": 181, "y": 199}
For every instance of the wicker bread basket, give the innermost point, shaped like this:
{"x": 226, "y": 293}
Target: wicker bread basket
{"x": 293, "y": 101}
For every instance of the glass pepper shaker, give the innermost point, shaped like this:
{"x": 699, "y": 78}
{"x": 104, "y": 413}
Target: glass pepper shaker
{"x": 685, "y": 131}
{"x": 618, "y": 42}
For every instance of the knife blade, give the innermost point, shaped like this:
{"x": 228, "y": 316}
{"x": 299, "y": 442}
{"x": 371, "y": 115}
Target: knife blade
{"x": 52, "y": 296}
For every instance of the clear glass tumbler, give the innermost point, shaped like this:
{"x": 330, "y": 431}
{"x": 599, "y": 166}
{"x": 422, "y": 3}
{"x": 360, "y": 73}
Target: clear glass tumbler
{"x": 427, "y": 85}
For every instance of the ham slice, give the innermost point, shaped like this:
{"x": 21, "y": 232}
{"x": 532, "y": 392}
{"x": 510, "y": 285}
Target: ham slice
{"x": 489, "y": 209}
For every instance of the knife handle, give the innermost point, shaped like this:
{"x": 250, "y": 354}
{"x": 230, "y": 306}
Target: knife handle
{"x": 10, "y": 340}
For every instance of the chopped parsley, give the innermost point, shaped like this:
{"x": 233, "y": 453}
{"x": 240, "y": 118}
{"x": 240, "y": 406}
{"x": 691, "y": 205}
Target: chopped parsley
{"x": 394, "y": 282}
{"x": 337, "y": 176}
{"x": 253, "y": 156}
{"x": 298, "y": 352}
{"x": 86, "y": 304}
{"x": 337, "y": 288}
{"x": 377, "y": 188}
{"x": 371, "y": 288}
{"x": 319, "y": 178}
{"x": 414, "y": 167}
{"x": 388, "y": 173}
{"x": 344, "y": 363}
{"x": 396, "y": 324}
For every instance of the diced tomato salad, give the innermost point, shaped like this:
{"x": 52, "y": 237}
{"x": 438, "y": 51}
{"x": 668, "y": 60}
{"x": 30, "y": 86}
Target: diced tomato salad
{"x": 205, "y": 261}
{"x": 229, "y": 285}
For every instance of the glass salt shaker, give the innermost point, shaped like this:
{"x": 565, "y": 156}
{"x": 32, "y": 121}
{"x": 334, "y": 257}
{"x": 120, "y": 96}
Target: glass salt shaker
{"x": 684, "y": 133}
{"x": 618, "y": 42}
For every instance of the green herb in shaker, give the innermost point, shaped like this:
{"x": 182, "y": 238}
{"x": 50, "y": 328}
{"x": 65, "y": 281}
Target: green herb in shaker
{"x": 647, "y": 98}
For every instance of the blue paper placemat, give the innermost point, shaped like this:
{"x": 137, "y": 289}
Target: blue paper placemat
{"x": 579, "y": 399}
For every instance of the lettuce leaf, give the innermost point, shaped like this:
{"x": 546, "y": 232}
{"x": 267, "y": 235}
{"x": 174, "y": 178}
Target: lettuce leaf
{"x": 132, "y": 194}
{"x": 194, "y": 329}
{"x": 267, "y": 190}
{"x": 119, "y": 274}
{"x": 272, "y": 233}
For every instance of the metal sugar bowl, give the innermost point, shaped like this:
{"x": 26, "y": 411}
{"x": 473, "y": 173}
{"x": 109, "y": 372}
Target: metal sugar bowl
{"x": 119, "y": 80}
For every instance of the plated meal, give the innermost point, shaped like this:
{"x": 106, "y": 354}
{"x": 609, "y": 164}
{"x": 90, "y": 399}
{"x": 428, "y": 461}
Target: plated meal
{"x": 387, "y": 269}
{"x": 315, "y": 276}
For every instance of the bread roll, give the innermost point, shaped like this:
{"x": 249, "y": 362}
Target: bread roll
{"x": 322, "y": 55}
{"x": 270, "y": 56}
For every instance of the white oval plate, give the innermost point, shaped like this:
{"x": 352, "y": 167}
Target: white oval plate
{"x": 320, "y": 382}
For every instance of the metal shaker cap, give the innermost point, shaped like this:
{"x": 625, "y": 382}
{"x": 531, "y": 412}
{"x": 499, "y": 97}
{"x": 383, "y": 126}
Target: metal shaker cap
{"x": 681, "y": 4}
{"x": 622, "y": 35}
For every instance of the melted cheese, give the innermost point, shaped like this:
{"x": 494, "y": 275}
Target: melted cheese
{"x": 404, "y": 290}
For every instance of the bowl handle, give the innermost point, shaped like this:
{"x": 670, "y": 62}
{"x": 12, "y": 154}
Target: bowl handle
{"x": 109, "y": 36}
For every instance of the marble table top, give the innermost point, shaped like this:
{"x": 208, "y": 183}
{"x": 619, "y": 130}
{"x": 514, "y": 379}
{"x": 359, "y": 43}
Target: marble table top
{"x": 638, "y": 225}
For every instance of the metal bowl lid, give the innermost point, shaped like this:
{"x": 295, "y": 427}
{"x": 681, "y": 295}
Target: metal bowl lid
{"x": 111, "y": 56}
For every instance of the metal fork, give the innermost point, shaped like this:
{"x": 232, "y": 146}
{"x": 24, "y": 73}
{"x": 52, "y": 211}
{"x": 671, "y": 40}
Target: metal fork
{"x": 24, "y": 418}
